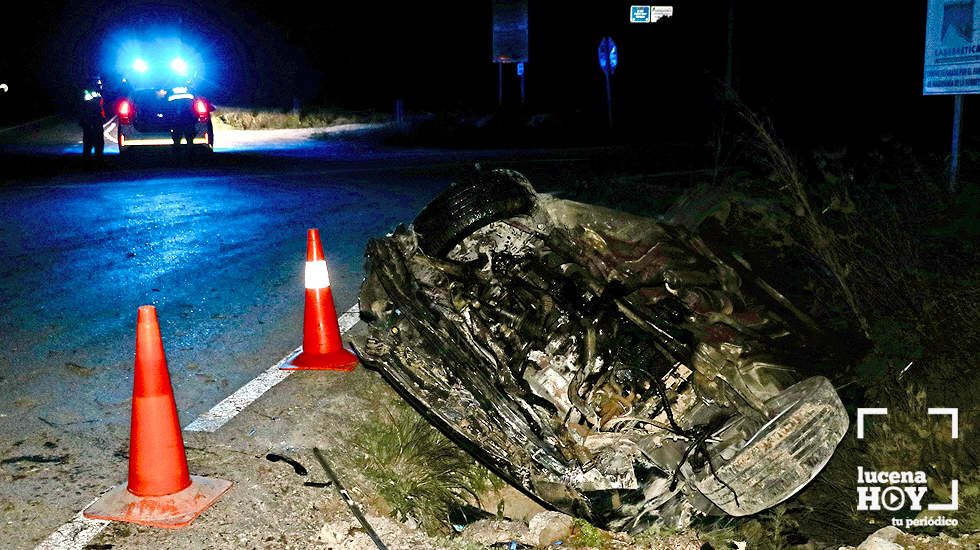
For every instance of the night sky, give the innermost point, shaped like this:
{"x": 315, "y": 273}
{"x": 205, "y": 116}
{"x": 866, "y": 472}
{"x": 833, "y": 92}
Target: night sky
{"x": 831, "y": 71}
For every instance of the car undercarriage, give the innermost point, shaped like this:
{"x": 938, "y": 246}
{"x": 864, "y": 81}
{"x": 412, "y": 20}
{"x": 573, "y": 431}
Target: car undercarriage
{"x": 610, "y": 366}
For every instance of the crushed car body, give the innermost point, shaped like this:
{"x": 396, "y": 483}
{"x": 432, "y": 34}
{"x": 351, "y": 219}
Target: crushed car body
{"x": 610, "y": 366}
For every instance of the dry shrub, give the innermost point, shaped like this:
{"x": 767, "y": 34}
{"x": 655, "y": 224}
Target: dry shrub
{"x": 419, "y": 472}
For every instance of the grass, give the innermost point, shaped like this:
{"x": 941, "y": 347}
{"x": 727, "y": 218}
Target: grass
{"x": 418, "y": 471}
{"x": 719, "y": 534}
{"x": 266, "y": 119}
{"x": 768, "y": 531}
{"x": 586, "y": 535}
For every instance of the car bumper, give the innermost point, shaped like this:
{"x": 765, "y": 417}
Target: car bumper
{"x": 124, "y": 142}
{"x": 128, "y": 136}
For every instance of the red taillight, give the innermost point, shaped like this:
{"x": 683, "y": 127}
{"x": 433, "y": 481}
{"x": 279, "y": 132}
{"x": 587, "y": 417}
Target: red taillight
{"x": 125, "y": 111}
{"x": 201, "y": 108}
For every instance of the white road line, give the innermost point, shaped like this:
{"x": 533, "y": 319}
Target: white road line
{"x": 78, "y": 532}
{"x": 236, "y": 402}
{"x": 75, "y": 534}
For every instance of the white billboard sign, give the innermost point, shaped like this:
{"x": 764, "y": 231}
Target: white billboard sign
{"x": 952, "y": 57}
{"x": 659, "y": 12}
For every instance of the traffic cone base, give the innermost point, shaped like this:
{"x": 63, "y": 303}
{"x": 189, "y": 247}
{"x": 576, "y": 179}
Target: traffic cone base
{"x": 337, "y": 360}
{"x": 167, "y": 511}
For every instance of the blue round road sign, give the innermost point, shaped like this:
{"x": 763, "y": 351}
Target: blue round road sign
{"x": 608, "y": 55}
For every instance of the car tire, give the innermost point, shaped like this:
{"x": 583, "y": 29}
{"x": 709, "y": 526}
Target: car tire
{"x": 469, "y": 205}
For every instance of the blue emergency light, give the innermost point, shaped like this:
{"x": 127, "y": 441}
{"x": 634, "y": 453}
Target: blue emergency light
{"x": 156, "y": 57}
{"x": 179, "y": 66}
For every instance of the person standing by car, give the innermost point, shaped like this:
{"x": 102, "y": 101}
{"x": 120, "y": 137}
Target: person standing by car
{"x": 184, "y": 126}
{"x": 91, "y": 117}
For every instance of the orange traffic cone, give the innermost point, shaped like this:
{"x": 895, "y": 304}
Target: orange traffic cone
{"x": 322, "y": 349}
{"x": 160, "y": 492}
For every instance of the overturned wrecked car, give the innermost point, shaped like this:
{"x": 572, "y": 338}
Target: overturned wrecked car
{"x": 608, "y": 365}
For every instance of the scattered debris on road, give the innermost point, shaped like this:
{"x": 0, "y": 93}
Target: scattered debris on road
{"x": 38, "y": 459}
{"x": 297, "y": 467}
{"x": 354, "y": 508}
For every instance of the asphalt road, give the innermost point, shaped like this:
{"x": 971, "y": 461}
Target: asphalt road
{"x": 217, "y": 246}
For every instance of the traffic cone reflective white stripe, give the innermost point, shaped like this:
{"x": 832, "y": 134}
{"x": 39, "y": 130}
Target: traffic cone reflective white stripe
{"x": 322, "y": 348}
{"x": 160, "y": 491}
{"x": 316, "y": 275}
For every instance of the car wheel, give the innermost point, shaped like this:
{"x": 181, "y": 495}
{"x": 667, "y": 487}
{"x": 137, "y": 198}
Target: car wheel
{"x": 467, "y": 206}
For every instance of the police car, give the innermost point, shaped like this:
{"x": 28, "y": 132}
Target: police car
{"x": 166, "y": 113}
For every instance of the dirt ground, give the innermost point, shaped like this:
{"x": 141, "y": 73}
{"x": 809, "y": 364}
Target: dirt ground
{"x": 269, "y": 506}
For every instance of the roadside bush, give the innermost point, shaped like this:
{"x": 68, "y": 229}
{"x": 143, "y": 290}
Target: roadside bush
{"x": 418, "y": 471}
{"x": 266, "y": 119}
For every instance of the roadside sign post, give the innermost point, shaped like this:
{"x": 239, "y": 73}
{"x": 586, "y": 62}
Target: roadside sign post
{"x": 510, "y": 42}
{"x": 520, "y": 74}
{"x": 954, "y": 157}
{"x": 608, "y": 59}
{"x": 500, "y": 84}
{"x": 729, "y": 89}
{"x": 952, "y": 62}
{"x": 399, "y": 110}
{"x": 609, "y": 101}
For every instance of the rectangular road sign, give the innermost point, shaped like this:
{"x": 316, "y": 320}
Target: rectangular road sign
{"x": 639, "y": 14}
{"x": 952, "y": 57}
{"x": 659, "y": 12}
{"x": 510, "y": 31}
